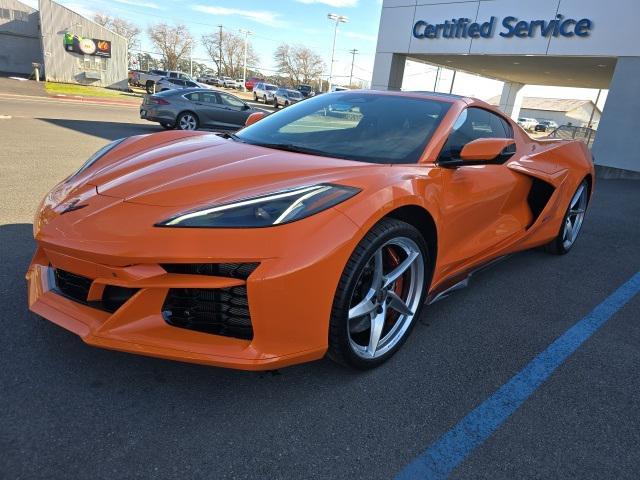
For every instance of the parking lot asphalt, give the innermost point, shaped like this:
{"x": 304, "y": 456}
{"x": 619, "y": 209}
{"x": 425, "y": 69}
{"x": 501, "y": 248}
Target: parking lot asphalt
{"x": 68, "y": 410}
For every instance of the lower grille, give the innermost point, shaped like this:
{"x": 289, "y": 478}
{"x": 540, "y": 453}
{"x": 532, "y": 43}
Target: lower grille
{"x": 73, "y": 286}
{"x": 76, "y": 287}
{"x": 222, "y": 311}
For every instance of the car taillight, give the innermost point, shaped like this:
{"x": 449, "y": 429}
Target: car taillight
{"x": 158, "y": 101}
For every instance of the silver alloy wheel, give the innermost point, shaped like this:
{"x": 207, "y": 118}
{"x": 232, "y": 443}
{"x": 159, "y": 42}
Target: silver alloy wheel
{"x": 372, "y": 328}
{"x": 575, "y": 217}
{"x": 188, "y": 122}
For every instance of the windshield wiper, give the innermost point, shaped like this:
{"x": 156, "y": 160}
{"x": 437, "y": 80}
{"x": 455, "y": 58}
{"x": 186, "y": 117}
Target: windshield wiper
{"x": 290, "y": 147}
{"x": 232, "y": 136}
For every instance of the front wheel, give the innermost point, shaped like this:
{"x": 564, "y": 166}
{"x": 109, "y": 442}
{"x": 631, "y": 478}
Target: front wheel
{"x": 572, "y": 222}
{"x": 187, "y": 121}
{"x": 379, "y": 295}
{"x": 275, "y": 103}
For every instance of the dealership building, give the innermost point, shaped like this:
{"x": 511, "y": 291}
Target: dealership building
{"x": 565, "y": 43}
{"x": 70, "y": 47}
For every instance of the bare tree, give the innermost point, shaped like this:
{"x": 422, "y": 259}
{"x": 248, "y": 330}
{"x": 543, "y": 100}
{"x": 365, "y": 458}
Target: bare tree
{"x": 122, "y": 27}
{"x": 232, "y": 52}
{"x": 300, "y": 64}
{"x": 173, "y": 42}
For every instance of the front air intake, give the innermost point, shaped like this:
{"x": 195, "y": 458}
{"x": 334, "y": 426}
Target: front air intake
{"x": 219, "y": 311}
{"x": 229, "y": 270}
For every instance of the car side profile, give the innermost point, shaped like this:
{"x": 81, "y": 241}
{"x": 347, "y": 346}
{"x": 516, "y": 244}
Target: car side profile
{"x": 195, "y": 108}
{"x": 283, "y": 97}
{"x": 264, "y": 91}
{"x": 321, "y": 230}
{"x": 166, "y": 83}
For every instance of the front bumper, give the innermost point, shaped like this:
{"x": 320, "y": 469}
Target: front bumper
{"x": 290, "y": 294}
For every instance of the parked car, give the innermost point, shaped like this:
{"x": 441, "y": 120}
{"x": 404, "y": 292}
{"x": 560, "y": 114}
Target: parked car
{"x": 195, "y": 108}
{"x": 283, "y": 97}
{"x": 228, "y": 82}
{"x": 252, "y": 82}
{"x": 264, "y": 91}
{"x": 148, "y": 79}
{"x": 134, "y": 77}
{"x": 278, "y": 245}
{"x": 546, "y": 126}
{"x": 527, "y": 123}
{"x": 176, "y": 84}
{"x": 239, "y": 83}
{"x": 306, "y": 91}
{"x": 207, "y": 79}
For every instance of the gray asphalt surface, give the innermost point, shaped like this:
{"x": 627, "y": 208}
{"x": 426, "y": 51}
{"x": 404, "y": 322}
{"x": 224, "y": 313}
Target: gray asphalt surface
{"x": 72, "y": 411}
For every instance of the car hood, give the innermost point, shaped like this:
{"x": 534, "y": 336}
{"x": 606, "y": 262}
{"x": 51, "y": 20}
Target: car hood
{"x": 195, "y": 169}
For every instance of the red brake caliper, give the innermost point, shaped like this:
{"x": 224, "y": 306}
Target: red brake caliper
{"x": 394, "y": 261}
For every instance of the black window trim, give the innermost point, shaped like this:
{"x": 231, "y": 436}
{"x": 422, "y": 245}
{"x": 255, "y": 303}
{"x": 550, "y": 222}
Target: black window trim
{"x": 500, "y": 115}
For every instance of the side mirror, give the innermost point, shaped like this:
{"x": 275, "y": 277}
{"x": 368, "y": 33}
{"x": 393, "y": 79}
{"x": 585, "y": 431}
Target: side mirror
{"x": 487, "y": 149}
{"x": 246, "y": 107}
{"x": 483, "y": 151}
{"x": 254, "y": 117}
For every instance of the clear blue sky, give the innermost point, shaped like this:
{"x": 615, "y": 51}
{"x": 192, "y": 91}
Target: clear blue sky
{"x": 272, "y": 22}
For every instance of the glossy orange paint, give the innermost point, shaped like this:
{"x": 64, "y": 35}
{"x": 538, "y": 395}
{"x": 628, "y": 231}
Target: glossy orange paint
{"x": 485, "y": 148}
{"x": 480, "y": 213}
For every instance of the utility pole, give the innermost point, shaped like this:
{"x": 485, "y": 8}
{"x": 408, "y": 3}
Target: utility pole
{"x": 244, "y": 69}
{"x": 220, "y": 52}
{"x": 338, "y": 19}
{"x": 353, "y": 59}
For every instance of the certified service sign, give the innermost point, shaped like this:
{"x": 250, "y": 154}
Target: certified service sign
{"x": 509, "y": 27}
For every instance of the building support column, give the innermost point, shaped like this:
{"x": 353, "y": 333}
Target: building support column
{"x": 388, "y": 71}
{"x": 617, "y": 141}
{"x": 511, "y": 99}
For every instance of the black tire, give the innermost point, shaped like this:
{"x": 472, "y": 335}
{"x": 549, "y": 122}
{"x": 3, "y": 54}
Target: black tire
{"x": 286, "y": 104}
{"x": 255, "y": 97}
{"x": 340, "y": 349}
{"x": 557, "y": 245}
{"x": 264, "y": 99}
{"x": 275, "y": 103}
{"x": 149, "y": 86}
{"x": 182, "y": 116}
{"x": 168, "y": 126}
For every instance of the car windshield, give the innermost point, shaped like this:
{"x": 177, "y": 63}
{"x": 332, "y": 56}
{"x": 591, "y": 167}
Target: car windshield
{"x": 294, "y": 94}
{"x": 363, "y": 127}
{"x": 270, "y": 87}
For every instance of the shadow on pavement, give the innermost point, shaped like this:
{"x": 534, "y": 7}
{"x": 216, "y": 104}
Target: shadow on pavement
{"x": 106, "y": 130}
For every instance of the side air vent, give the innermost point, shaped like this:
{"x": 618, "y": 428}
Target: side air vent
{"x": 229, "y": 270}
{"x": 538, "y": 197}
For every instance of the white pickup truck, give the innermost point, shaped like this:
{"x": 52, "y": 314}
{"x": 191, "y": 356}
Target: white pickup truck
{"x": 150, "y": 78}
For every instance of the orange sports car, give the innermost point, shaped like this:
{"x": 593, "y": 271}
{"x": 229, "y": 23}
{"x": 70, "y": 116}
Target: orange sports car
{"x": 319, "y": 230}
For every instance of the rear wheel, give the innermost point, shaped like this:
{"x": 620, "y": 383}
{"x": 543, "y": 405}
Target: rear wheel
{"x": 187, "y": 121}
{"x": 379, "y": 295}
{"x": 572, "y": 223}
{"x": 255, "y": 97}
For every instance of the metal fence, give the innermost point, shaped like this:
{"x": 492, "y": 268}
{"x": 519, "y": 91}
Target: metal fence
{"x": 570, "y": 132}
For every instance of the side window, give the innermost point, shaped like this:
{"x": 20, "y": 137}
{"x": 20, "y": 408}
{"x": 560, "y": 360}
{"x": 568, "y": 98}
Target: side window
{"x": 472, "y": 124}
{"x": 191, "y": 84}
{"x": 230, "y": 101}
{"x": 173, "y": 74}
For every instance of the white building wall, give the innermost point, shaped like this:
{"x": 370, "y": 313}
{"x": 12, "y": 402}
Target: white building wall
{"x": 19, "y": 37}
{"x": 67, "y": 67}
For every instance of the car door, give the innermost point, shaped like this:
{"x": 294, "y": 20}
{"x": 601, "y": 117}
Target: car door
{"x": 484, "y": 206}
{"x": 207, "y": 106}
{"x": 236, "y": 111}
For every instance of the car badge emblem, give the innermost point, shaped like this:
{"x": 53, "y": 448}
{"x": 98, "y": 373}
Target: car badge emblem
{"x": 72, "y": 206}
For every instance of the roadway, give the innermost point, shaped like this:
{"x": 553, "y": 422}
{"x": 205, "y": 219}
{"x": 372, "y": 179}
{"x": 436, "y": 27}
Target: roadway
{"x": 72, "y": 411}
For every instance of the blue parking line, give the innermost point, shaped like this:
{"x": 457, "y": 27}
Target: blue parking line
{"x": 454, "y": 446}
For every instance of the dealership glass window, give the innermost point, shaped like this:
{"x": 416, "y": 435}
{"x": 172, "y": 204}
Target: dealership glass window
{"x": 20, "y": 16}
{"x": 472, "y": 124}
{"x": 5, "y": 13}
{"x": 364, "y": 127}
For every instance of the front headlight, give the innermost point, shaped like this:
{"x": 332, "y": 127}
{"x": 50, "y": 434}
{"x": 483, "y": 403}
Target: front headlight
{"x": 274, "y": 209}
{"x": 98, "y": 155}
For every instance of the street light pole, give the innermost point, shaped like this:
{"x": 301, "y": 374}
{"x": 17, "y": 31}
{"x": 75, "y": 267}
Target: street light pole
{"x": 353, "y": 59}
{"x": 338, "y": 19}
{"x": 220, "y": 52}
{"x": 244, "y": 70}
